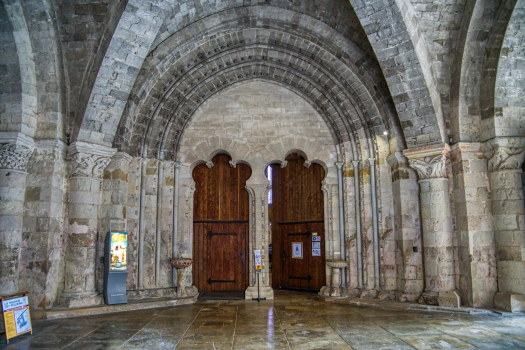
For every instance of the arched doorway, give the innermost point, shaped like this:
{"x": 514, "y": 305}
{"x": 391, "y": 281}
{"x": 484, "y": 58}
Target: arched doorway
{"x": 220, "y": 226}
{"x": 296, "y": 214}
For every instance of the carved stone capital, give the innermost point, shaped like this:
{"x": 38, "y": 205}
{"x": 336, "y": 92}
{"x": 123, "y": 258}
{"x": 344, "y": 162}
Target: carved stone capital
{"x": 89, "y": 160}
{"x": 429, "y": 161}
{"x": 177, "y": 164}
{"x": 503, "y": 158}
{"x": 504, "y": 153}
{"x": 209, "y": 164}
{"x": 14, "y": 157}
{"x": 430, "y": 167}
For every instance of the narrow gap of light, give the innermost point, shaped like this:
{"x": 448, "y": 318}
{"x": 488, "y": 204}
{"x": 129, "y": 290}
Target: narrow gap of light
{"x": 269, "y": 176}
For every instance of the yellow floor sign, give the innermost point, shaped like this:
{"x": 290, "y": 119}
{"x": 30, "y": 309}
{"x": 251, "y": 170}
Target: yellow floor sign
{"x": 17, "y": 320}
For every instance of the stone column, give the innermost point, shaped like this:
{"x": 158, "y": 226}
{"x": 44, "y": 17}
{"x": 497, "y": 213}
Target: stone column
{"x": 13, "y": 173}
{"x": 505, "y": 158}
{"x": 258, "y": 188}
{"x": 41, "y": 270}
{"x": 87, "y": 162}
{"x": 407, "y": 229}
{"x": 113, "y": 207}
{"x": 476, "y": 271}
{"x": 436, "y": 217}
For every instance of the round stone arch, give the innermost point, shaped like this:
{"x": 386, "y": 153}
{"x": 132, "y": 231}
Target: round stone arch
{"x": 179, "y": 63}
{"x": 236, "y": 136}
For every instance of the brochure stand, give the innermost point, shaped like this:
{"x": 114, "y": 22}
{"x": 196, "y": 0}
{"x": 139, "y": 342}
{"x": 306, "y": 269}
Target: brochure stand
{"x": 115, "y": 268}
{"x": 15, "y": 310}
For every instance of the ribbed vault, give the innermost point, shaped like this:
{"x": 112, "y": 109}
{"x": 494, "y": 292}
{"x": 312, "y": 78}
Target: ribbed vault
{"x": 342, "y": 82}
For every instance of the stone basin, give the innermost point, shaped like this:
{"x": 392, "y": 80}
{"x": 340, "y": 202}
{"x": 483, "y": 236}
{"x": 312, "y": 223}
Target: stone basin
{"x": 337, "y": 263}
{"x": 181, "y": 263}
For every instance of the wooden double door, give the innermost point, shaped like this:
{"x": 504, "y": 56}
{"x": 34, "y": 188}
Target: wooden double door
{"x": 297, "y": 221}
{"x": 220, "y": 226}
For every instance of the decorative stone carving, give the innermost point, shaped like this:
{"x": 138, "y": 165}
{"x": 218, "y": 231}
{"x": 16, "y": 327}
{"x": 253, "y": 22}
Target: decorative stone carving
{"x": 284, "y": 163}
{"x": 14, "y": 157}
{"x": 181, "y": 263}
{"x": 232, "y": 164}
{"x": 89, "y": 165}
{"x": 209, "y": 164}
{"x": 504, "y": 158}
{"x": 430, "y": 167}
{"x": 89, "y": 160}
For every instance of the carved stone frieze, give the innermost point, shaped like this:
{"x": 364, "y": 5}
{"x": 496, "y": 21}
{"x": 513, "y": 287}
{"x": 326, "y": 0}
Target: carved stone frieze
{"x": 430, "y": 167}
{"x": 506, "y": 158}
{"x": 89, "y": 160}
{"x": 14, "y": 157}
{"x": 89, "y": 165}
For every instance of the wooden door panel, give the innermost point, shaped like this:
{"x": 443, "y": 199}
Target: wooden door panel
{"x": 221, "y": 205}
{"x": 298, "y": 207}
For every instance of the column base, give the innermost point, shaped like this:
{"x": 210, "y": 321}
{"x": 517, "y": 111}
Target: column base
{"x": 407, "y": 297}
{"x": 510, "y": 302}
{"x": 264, "y": 292}
{"x": 74, "y": 300}
{"x": 187, "y": 291}
{"x": 450, "y": 298}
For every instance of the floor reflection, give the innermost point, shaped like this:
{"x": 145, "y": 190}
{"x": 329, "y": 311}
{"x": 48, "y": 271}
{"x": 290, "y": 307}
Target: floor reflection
{"x": 291, "y": 321}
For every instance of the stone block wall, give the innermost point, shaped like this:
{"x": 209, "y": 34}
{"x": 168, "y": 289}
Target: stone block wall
{"x": 43, "y": 243}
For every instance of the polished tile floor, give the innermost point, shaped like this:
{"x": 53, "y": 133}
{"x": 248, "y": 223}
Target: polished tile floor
{"x": 291, "y": 321}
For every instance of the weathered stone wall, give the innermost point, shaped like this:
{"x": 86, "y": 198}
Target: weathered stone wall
{"x": 11, "y": 87}
{"x": 509, "y": 104}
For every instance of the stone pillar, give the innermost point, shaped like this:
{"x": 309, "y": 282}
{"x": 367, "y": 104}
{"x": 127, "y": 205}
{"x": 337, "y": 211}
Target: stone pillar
{"x": 258, "y": 188}
{"x": 41, "y": 270}
{"x": 407, "y": 229}
{"x": 87, "y": 162}
{"x": 436, "y": 217}
{"x": 13, "y": 173}
{"x": 476, "y": 271}
{"x": 113, "y": 207}
{"x": 505, "y": 158}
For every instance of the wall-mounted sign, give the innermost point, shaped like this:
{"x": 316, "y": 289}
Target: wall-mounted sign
{"x": 17, "y": 320}
{"x": 258, "y": 259}
{"x": 316, "y": 238}
{"x": 297, "y": 250}
{"x": 118, "y": 251}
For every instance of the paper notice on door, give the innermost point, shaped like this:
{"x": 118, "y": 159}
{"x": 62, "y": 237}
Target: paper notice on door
{"x": 297, "y": 250}
{"x": 316, "y": 252}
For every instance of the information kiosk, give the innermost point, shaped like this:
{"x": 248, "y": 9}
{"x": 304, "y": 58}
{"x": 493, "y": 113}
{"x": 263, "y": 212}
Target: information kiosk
{"x": 115, "y": 268}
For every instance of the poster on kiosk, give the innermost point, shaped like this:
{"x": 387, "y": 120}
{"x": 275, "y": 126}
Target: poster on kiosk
{"x": 115, "y": 268}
